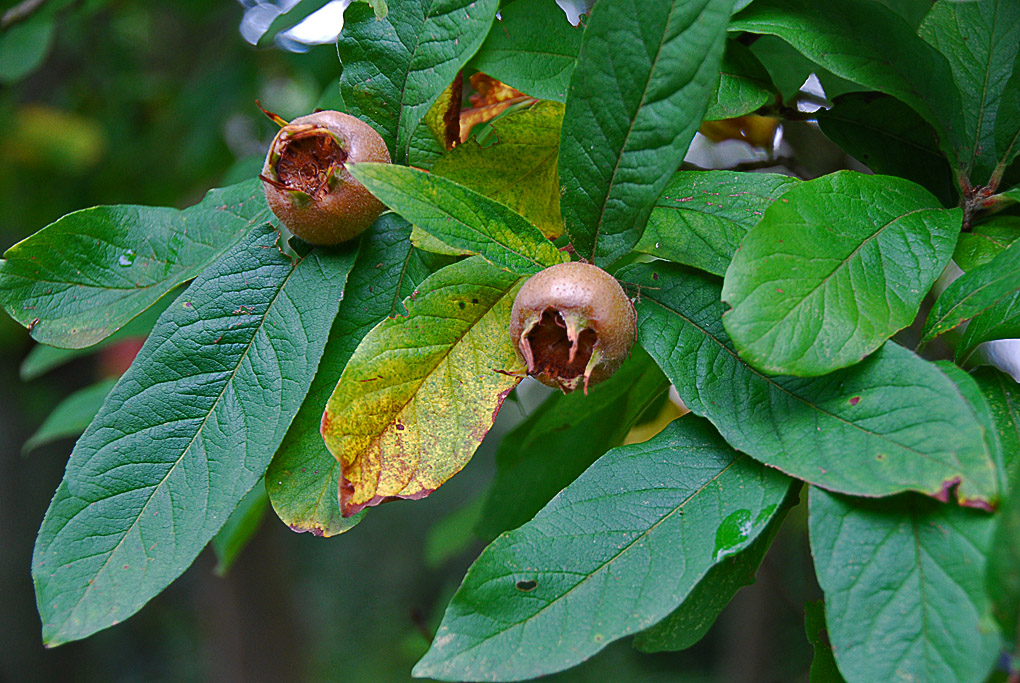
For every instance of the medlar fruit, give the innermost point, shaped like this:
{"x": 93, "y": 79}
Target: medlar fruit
{"x": 572, "y": 324}
{"x": 306, "y": 181}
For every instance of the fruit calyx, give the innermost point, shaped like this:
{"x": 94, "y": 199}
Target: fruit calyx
{"x": 573, "y": 326}
{"x": 306, "y": 159}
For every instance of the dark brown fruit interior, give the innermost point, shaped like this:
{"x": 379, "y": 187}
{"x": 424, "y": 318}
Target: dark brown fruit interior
{"x": 550, "y": 348}
{"x": 307, "y": 159}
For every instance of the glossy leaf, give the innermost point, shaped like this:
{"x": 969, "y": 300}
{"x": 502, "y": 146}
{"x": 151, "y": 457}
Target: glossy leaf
{"x": 701, "y": 216}
{"x": 744, "y": 85}
{"x": 833, "y": 269}
{"x": 637, "y": 96}
{"x": 1003, "y": 396}
{"x": 531, "y": 47}
{"x": 892, "y": 423}
{"x": 83, "y": 277}
{"x": 396, "y": 67}
{"x": 460, "y": 217}
{"x": 689, "y": 622}
{"x": 975, "y": 292}
{"x": 185, "y": 434}
{"x": 889, "y": 138}
{"x": 71, "y": 416}
{"x": 240, "y": 528}
{"x": 904, "y": 587}
{"x": 302, "y": 478}
{"x": 867, "y": 43}
{"x": 42, "y": 358}
{"x": 823, "y": 665}
{"x": 519, "y": 170}
{"x": 562, "y": 438}
{"x": 422, "y": 390}
{"x": 614, "y": 553}
{"x": 1000, "y": 321}
{"x": 981, "y": 40}
{"x": 985, "y": 241}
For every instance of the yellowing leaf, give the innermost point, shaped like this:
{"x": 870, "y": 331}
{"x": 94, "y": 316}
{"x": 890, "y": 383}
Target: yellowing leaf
{"x": 520, "y": 169}
{"x": 422, "y": 390}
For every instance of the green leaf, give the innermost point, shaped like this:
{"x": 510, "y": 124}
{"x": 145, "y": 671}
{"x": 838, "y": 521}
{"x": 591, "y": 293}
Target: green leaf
{"x": 890, "y": 138}
{"x": 80, "y": 279}
{"x": 71, "y": 416}
{"x": 637, "y": 96}
{"x": 302, "y": 478}
{"x": 823, "y": 666}
{"x": 903, "y": 582}
{"x": 460, "y": 217}
{"x": 1003, "y": 578}
{"x": 239, "y": 528}
{"x": 562, "y": 438}
{"x": 834, "y": 268}
{"x": 396, "y": 67}
{"x": 1000, "y": 321}
{"x": 890, "y": 424}
{"x": 789, "y": 69}
{"x": 868, "y": 44}
{"x": 520, "y": 169}
{"x": 23, "y": 47}
{"x": 701, "y": 216}
{"x": 422, "y": 390}
{"x": 614, "y": 553}
{"x": 452, "y": 535}
{"x": 985, "y": 241}
{"x": 981, "y": 40}
{"x": 1007, "y": 123}
{"x": 533, "y": 48}
{"x": 41, "y": 359}
{"x": 185, "y": 434}
{"x": 974, "y": 292}
{"x": 689, "y": 622}
{"x": 1003, "y": 397}
{"x": 744, "y": 85}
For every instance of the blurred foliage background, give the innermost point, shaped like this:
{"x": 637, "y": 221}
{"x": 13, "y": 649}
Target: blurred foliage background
{"x": 153, "y": 102}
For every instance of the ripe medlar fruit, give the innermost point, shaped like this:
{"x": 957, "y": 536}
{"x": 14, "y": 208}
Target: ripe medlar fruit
{"x": 306, "y": 181}
{"x": 572, "y": 323}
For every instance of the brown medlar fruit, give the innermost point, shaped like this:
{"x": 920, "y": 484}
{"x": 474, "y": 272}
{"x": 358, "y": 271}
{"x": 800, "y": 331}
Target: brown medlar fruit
{"x": 572, "y": 324}
{"x": 306, "y": 181}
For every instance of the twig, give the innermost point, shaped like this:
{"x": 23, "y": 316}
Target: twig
{"x": 20, "y": 12}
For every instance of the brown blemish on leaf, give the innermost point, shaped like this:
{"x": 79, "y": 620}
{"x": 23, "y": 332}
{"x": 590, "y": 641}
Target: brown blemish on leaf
{"x": 855, "y": 400}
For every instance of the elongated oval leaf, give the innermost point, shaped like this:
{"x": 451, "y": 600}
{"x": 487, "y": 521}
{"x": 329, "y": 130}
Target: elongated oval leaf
{"x": 744, "y": 85}
{"x": 701, "y": 216}
{"x": 1007, "y": 123}
{"x": 981, "y": 41}
{"x": 302, "y": 478}
{"x": 519, "y": 170}
{"x": 562, "y": 438}
{"x": 421, "y": 391}
{"x": 71, "y": 416}
{"x": 184, "y": 435}
{"x": 904, "y": 588}
{"x": 83, "y": 277}
{"x": 533, "y": 48}
{"x": 460, "y": 217}
{"x": 867, "y": 43}
{"x": 637, "y": 96}
{"x": 974, "y": 292}
{"x": 614, "y": 553}
{"x": 889, "y": 138}
{"x": 396, "y": 67}
{"x": 892, "y": 423}
{"x": 985, "y": 241}
{"x": 834, "y": 268}
{"x": 1001, "y": 321}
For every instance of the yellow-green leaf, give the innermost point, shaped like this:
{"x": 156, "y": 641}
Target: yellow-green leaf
{"x": 520, "y": 169}
{"x": 422, "y": 390}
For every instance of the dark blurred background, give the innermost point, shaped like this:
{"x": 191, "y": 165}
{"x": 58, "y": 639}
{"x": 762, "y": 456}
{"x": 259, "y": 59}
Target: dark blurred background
{"x": 153, "y": 102}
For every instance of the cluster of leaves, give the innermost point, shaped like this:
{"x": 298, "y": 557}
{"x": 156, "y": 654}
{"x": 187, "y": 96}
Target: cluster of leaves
{"x": 769, "y": 302}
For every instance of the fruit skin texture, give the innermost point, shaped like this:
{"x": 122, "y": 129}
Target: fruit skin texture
{"x": 572, "y": 324}
{"x": 306, "y": 181}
